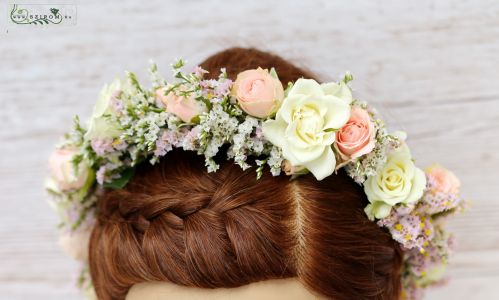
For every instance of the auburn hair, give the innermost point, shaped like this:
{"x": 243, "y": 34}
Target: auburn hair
{"x": 176, "y": 222}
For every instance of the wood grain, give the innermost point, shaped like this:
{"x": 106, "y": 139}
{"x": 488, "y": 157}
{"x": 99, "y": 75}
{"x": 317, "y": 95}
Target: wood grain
{"x": 431, "y": 67}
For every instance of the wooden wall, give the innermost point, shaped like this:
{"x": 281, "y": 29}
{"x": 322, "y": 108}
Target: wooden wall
{"x": 431, "y": 67}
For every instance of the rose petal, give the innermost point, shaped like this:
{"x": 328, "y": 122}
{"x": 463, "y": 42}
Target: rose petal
{"x": 305, "y": 154}
{"x": 273, "y": 131}
{"x": 338, "y": 112}
{"x": 102, "y": 128}
{"x": 102, "y": 104}
{"x": 322, "y": 166}
{"x": 340, "y": 90}
{"x": 418, "y": 186}
{"x": 306, "y": 87}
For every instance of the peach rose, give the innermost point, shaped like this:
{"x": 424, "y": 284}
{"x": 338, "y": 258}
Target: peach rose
{"x": 75, "y": 244}
{"x": 186, "y": 108}
{"x": 258, "y": 92}
{"x": 62, "y": 170}
{"x": 356, "y": 137}
{"x": 444, "y": 180}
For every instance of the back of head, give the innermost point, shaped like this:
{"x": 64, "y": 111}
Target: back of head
{"x": 176, "y": 222}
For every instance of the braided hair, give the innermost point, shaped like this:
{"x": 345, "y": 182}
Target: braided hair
{"x": 176, "y": 222}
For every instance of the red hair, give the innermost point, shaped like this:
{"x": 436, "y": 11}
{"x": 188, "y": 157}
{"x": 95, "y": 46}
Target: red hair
{"x": 175, "y": 222}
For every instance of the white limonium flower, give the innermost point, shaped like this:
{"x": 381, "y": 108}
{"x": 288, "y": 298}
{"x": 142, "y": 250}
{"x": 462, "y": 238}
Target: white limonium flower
{"x": 305, "y": 124}
{"x": 399, "y": 181}
{"x": 99, "y": 125}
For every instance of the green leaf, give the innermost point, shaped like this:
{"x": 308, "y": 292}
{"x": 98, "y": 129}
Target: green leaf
{"x": 196, "y": 119}
{"x": 154, "y": 67}
{"x": 347, "y": 77}
{"x": 134, "y": 81}
{"x": 76, "y": 124}
{"x": 76, "y": 160}
{"x": 120, "y": 183}
{"x": 179, "y": 64}
{"x": 331, "y": 130}
{"x": 81, "y": 194}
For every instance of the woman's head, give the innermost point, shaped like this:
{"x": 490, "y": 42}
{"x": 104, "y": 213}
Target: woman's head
{"x": 175, "y": 222}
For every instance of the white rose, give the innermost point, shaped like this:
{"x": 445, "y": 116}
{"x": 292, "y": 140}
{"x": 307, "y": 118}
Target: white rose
{"x": 399, "y": 181}
{"x": 305, "y": 124}
{"x": 100, "y": 126}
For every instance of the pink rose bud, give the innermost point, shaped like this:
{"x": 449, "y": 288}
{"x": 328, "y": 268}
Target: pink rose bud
{"x": 258, "y": 93}
{"x": 444, "y": 180}
{"x": 356, "y": 137}
{"x": 186, "y": 108}
{"x": 63, "y": 172}
{"x": 290, "y": 169}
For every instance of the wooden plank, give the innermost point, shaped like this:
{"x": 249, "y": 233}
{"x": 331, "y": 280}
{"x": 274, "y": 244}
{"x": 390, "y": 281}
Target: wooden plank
{"x": 430, "y": 67}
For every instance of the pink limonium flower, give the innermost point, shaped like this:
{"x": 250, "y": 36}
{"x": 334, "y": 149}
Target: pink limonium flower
{"x": 410, "y": 229}
{"x": 198, "y": 71}
{"x": 101, "y": 146}
{"x": 102, "y": 176}
{"x": 166, "y": 142}
{"x": 223, "y": 88}
{"x": 258, "y": 132}
{"x": 120, "y": 145}
{"x": 436, "y": 202}
{"x": 190, "y": 138}
{"x": 115, "y": 102}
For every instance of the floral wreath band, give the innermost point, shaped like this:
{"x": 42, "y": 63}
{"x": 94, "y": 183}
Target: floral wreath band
{"x": 305, "y": 127}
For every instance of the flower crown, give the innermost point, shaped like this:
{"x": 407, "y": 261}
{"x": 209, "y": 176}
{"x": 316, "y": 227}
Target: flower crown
{"x": 305, "y": 127}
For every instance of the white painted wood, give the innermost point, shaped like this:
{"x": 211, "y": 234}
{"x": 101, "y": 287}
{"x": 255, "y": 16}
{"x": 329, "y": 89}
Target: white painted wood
{"x": 431, "y": 67}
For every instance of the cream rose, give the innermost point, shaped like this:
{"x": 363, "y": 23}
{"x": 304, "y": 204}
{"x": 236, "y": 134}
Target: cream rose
{"x": 63, "y": 172}
{"x": 356, "y": 138}
{"x": 399, "y": 181}
{"x": 258, "y": 92}
{"x": 99, "y": 125}
{"x": 305, "y": 124}
{"x": 378, "y": 210}
{"x": 340, "y": 90}
{"x": 186, "y": 108}
{"x": 444, "y": 180}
